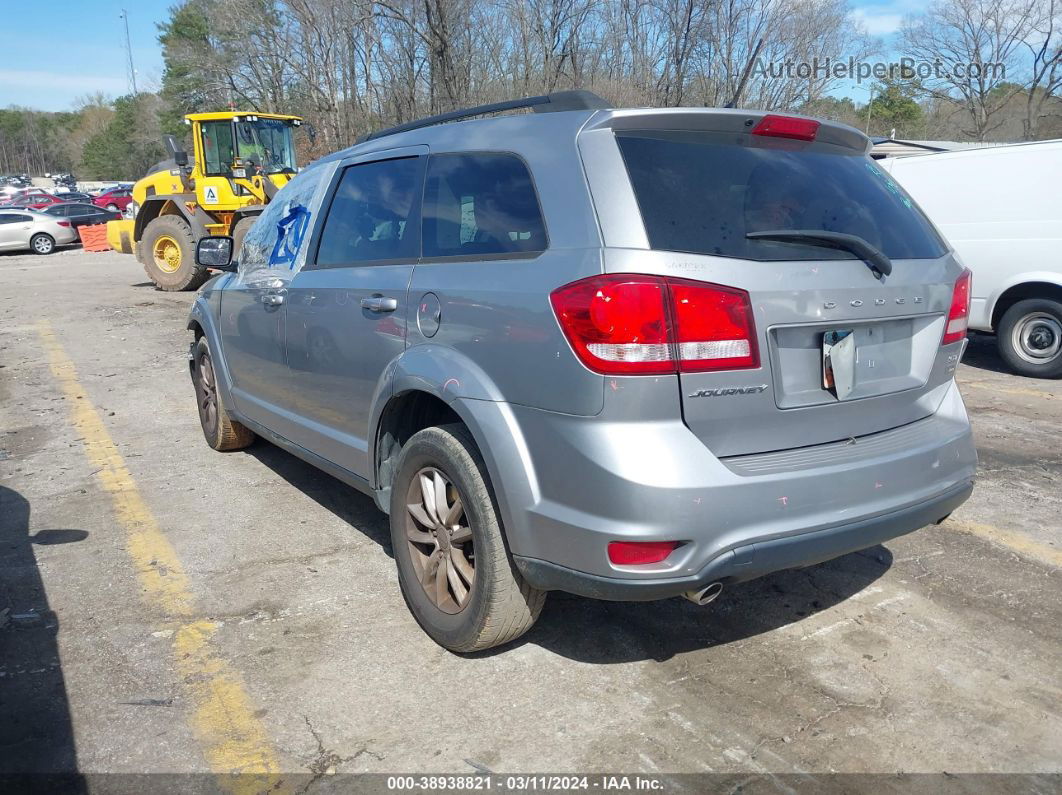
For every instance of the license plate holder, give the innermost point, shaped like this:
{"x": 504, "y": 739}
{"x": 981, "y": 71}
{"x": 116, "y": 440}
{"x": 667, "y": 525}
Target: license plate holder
{"x": 838, "y": 362}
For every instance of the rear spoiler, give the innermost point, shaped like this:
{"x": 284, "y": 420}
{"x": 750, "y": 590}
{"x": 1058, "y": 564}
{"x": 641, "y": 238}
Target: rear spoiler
{"x": 725, "y": 120}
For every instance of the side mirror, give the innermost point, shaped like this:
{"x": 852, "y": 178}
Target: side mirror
{"x": 215, "y": 251}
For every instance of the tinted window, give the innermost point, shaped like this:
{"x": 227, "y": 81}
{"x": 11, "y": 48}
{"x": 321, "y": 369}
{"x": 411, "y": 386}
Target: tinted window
{"x": 480, "y": 205}
{"x": 368, "y": 216}
{"x": 11, "y": 218}
{"x": 703, "y": 192}
{"x": 57, "y": 209}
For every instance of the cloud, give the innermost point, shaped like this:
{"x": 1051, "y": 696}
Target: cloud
{"x": 878, "y": 21}
{"x": 60, "y": 84}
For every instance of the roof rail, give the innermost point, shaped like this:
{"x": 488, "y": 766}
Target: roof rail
{"x": 547, "y": 103}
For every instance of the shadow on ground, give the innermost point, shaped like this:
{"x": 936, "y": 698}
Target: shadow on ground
{"x": 982, "y": 354}
{"x": 593, "y": 631}
{"x": 36, "y": 735}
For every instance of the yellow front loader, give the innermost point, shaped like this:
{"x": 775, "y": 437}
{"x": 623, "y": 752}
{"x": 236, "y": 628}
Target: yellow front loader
{"x": 240, "y": 161}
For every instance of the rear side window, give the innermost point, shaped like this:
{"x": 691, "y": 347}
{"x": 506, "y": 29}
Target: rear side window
{"x": 370, "y": 216}
{"x": 702, "y": 192}
{"x": 478, "y": 205}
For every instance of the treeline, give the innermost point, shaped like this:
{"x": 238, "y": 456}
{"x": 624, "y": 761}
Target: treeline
{"x": 101, "y": 139}
{"x": 350, "y": 66}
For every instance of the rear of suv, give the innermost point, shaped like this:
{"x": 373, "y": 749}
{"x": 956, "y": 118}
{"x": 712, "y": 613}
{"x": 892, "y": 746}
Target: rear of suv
{"x": 628, "y": 354}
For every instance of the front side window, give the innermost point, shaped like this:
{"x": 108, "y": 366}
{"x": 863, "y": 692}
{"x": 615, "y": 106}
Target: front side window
{"x": 277, "y": 238}
{"x": 479, "y": 205}
{"x": 370, "y": 213}
{"x": 218, "y": 149}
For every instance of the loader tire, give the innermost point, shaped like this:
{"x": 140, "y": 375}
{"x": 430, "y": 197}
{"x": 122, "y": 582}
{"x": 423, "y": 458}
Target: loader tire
{"x": 239, "y": 232}
{"x": 167, "y": 250}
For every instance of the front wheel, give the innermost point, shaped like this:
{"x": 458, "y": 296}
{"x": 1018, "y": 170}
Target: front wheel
{"x": 221, "y": 432}
{"x": 42, "y": 244}
{"x": 456, "y": 574}
{"x": 167, "y": 250}
{"x": 1030, "y": 338}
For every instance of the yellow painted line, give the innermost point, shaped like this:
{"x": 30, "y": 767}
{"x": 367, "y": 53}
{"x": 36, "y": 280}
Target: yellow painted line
{"x": 233, "y": 740}
{"x": 1016, "y": 542}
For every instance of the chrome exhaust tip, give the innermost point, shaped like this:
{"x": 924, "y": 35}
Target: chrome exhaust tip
{"x": 705, "y": 595}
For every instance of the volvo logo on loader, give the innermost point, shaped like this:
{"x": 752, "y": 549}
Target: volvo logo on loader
{"x": 731, "y": 390}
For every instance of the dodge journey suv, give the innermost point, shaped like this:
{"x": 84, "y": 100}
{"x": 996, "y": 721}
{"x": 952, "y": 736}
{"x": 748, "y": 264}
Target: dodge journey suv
{"x": 627, "y": 354}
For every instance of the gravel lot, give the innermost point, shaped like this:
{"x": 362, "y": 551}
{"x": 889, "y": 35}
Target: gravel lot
{"x": 938, "y": 652}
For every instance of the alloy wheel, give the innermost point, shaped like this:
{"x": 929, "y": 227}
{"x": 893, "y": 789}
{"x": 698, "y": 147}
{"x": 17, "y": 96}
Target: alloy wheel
{"x": 207, "y": 393}
{"x": 42, "y": 244}
{"x": 440, "y": 540}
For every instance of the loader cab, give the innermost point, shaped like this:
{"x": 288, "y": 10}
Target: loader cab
{"x": 237, "y": 152}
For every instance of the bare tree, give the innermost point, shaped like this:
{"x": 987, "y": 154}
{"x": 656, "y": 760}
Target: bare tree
{"x": 975, "y": 44}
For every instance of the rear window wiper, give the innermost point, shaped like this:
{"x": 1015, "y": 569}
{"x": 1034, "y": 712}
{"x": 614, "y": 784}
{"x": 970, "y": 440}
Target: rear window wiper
{"x": 875, "y": 259}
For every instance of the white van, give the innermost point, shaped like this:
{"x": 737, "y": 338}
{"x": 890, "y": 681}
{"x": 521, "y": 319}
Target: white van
{"x": 1001, "y": 209}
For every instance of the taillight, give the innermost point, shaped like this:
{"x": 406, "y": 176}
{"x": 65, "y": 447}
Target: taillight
{"x": 959, "y": 313}
{"x": 632, "y": 324}
{"x": 714, "y": 329}
{"x": 617, "y": 324}
{"x": 787, "y": 127}
{"x": 635, "y": 553}
{"x": 63, "y": 223}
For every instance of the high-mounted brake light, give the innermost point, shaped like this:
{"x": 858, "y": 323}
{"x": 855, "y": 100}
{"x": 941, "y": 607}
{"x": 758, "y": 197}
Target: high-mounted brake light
{"x": 787, "y": 127}
{"x": 635, "y": 553}
{"x": 632, "y": 324}
{"x": 959, "y": 313}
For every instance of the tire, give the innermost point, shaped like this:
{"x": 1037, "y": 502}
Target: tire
{"x": 112, "y": 207}
{"x": 42, "y": 243}
{"x": 498, "y": 606}
{"x": 1029, "y": 338}
{"x": 239, "y": 232}
{"x": 167, "y": 250}
{"x": 220, "y": 431}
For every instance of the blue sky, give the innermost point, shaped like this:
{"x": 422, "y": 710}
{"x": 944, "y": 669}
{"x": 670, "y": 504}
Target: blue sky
{"x": 89, "y": 38}
{"x": 90, "y": 41}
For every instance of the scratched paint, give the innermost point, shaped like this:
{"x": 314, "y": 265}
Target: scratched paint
{"x": 233, "y": 740}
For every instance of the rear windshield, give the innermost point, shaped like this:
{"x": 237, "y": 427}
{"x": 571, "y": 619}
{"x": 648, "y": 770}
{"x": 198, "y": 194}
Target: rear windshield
{"x": 702, "y": 192}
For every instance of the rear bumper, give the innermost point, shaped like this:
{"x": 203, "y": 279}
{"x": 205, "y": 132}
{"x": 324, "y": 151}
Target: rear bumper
{"x": 751, "y": 560}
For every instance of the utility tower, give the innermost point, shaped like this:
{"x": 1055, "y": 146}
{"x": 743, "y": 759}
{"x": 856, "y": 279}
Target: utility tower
{"x": 124, "y": 16}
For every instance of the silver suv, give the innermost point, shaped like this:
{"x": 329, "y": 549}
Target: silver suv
{"x": 628, "y": 354}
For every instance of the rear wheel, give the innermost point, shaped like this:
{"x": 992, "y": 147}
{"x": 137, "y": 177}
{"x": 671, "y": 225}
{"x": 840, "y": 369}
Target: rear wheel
{"x": 220, "y": 432}
{"x": 1030, "y": 338}
{"x": 42, "y": 243}
{"x": 453, "y": 566}
{"x": 167, "y": 250}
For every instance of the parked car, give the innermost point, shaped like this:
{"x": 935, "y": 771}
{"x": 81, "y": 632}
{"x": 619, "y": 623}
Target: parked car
{"x": 1000, "y": 207}
{"x": 628, "y": 354}
{"x": 36, "y": 200}
{"x": 81, "y": 214}
{"x": 114, "y": 199}
{"x": 38, "y": 232}
{"x": 73, "y": 196}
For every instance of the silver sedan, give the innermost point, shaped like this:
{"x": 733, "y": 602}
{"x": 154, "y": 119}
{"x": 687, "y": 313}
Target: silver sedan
{"x": 40, "y": 233}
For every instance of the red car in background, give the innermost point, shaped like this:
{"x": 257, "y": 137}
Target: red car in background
{"x": 33, "y": 201}
{"x": 114, "y": 199}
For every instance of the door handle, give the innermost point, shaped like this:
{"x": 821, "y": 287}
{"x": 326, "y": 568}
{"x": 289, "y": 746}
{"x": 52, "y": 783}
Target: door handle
{"x": 379, "y": 303}
{"x": 272, "y": 299}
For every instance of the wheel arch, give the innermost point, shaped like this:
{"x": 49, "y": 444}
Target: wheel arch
{"x": 175, "y": 204}
{"x": 431, "y": 385}
{"x": 1034, "y": 285}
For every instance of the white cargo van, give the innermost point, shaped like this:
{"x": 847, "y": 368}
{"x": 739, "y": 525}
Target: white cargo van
{"x": 1001, "y": 209}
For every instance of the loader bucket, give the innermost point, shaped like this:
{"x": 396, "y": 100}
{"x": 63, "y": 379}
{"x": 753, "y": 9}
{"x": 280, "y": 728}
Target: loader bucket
{"x": 120, "y": 235}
